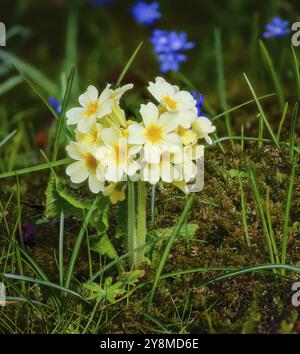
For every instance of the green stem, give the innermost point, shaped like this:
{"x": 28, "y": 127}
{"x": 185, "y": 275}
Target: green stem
{"x": 141, "y": 222}
{"x": 131, "y": 223}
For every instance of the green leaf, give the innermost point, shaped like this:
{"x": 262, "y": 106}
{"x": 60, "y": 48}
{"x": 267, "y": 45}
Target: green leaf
{"x": 109, "y": 292}
{"x": 61, "y": 196}
{"x": 187, "y": 230}
{"x": 130, "y": 278}
{"x": 33, "y": 73}
{"x": 237, "y": 173}
{"x": 100, "y": 219}
{"x": 102, "y": 245}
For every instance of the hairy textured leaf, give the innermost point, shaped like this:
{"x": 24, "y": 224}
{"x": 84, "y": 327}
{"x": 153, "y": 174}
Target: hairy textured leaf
{"x": 61, "y": 196}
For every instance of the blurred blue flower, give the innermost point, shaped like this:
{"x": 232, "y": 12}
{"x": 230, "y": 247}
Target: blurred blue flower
{"x": 199, "y": 98}
{"x": 100, "y": 2}
{"x": 168, "y": 41}
{"x": 146, "y": 13}
{"x": 168, "y": 45}
{"x": 55, "y": 104}
{"x": 170, "y": 61}
{"x": 276, "y": 28}
{"x": 160, "y": 41}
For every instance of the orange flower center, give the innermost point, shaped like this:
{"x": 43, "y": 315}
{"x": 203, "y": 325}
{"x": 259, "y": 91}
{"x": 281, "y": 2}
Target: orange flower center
{"x": 91, "y": 163}
{"x": 170, "y": 103}
{"x": 92, "y": 108}
{"x": 154, "y": 133}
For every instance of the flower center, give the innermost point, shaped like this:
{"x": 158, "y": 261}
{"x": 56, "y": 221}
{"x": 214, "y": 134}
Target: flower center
{"x": 92, "y": 108}
{"x": 170, "y": 103}
{"x": 91, "y": 163}
{"x": 181, "y": 131}
{"x": 154, "y": 133}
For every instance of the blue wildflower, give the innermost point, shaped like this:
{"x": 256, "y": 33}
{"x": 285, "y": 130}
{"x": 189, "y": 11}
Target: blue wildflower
{"x": 160, "y": 41}
{"x": 146, "y": 13}
{"x": 55, "y": 104}
{"x": 199, "y": 98}
{"x": 170, "y": 61}
{"x": 169, "y": 45}
{"x": 276, "y": 28}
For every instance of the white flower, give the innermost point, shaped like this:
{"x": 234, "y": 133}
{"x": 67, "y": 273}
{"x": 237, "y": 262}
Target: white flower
{"x": 86, "y": 167}
{"x": 203, "y": 126}
{"x": 163, "y": 170}
{"x": 171, "y": 97}
{"x": 184, "y": 162}
{"x": 92, "y": 138}
{"x": 115, "y": 95}
{"x": 187, "y": 136}
{"x": 117, "y": 156}
{"x": 155, "y": 135}
{"x": 92, "y": 108}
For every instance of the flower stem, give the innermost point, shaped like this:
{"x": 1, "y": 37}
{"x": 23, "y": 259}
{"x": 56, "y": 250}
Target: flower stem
{"x": 141, "y": 223}
{"x": 131, "y": 224}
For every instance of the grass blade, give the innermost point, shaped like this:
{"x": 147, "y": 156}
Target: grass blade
{"x": 271, "y": 232}
{"x": 218, "y": 116}
{"x": 36, "y": 168}
{"x": 78, "y": 244}
{"x": 244, "y": 214}
{"x": 127, "y": 66}
{"x": 259, "y": 205}
{"x": 285, "y": 110}
{"x": 42, "y": 282}
{"x": 61, "y": 249}
{"x": 288, "y": 212}
{"x": 259, "y": 106}
{"x": 10, "y": 84}
{"x": 61, "y": 116}
{"x": 257, "y": 268}
{"x": 29, "y": 70}
{"x": 274, "y": 75}
{"x": 37, "y": 91}
{"x": 6, "y": 139}
{"x": 293, "y": 130}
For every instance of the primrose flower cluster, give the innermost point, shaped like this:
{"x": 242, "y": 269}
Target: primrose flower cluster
{"x": 109, "y": 149}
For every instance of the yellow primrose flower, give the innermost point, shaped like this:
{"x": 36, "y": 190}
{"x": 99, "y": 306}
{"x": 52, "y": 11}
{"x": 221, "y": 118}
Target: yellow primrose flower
{"x": 187, "y": 136}
{"x": 171, "y": 97}
{"x": 92, "y": 108}
{"x": 117, "y": 156}
{"x": 203, "y": 126}
{"x": 87, "y": 166}
{"x": 115, "y": 95}
{"x": 156, "y": 134}
{"x": 92, "y": 137}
